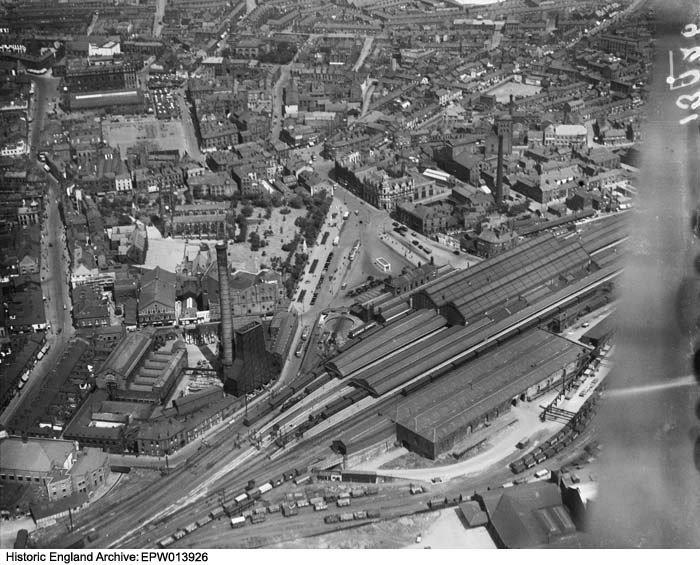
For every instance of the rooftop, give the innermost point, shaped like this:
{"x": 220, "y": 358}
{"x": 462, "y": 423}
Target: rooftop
{"x": 35, "y": 455}
{"x": 128, "y": 353}
{"x": 157, "y": 285}
{"x": 507, "y": 276}
{"x": 477, "y": 387}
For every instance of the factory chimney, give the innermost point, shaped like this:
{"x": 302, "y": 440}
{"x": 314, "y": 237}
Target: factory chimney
{"x": 499, "y": 172}
{"x": 225, "y": 306}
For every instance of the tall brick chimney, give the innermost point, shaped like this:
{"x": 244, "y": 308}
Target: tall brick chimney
{"x": 499, "y": 172}
{"x": 225, "y": 306}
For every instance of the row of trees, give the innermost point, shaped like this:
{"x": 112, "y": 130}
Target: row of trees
{"x": 318, "y": 207}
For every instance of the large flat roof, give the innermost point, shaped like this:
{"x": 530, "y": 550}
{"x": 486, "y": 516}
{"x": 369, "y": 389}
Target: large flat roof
{"x": 477, "y": 387}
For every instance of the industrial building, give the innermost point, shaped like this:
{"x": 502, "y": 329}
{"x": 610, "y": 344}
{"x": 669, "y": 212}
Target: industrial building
{"x": 252, "y": 364}
{"x": 135, "y": 372}
{"x": 477, "y": 392}
{"x": 528, "y": 516}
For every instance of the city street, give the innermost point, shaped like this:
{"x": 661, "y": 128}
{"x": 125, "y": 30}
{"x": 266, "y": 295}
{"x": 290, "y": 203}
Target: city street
{"x": 45, "y": 95}
{"x": 366, "y": 49}
{"x": 55, "y": 288}
{"x": 158, "y": 18}
{"x": 191, "y": 141}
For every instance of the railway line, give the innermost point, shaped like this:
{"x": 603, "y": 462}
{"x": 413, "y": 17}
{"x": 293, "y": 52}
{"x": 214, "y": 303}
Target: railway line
{"x": 223, "y": 486}
{"x": 226, "y": 476}
{"x": 393, "y": 501}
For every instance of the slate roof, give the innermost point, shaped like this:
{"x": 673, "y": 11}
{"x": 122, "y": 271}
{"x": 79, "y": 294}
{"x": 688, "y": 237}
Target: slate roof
{"x": 529, "y": 515}
{"x": 157, "y": 285}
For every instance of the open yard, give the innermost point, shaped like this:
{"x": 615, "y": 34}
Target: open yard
{"x": 125, "y": 132}
{"x": 503, "y": 92}
{"x": 439, "y": 530}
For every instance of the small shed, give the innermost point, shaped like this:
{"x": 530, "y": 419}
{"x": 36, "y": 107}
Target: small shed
{"x": 473, "y": 514}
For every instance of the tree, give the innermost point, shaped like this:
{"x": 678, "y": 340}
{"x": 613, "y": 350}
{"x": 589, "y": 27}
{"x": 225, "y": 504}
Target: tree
{"x": 297, "y": 202}
{"x": 247, "y": 210}
{"x": 254, "y": 240}
{"x": 243, "y": 227}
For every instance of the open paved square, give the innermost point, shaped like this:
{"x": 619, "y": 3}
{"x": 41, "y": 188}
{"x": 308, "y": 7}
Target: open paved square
{"x": 123, "y": 132}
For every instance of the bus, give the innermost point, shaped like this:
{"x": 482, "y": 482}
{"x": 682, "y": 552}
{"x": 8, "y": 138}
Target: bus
{"x": 383, "y": 264}
{"x": 354, "y": 250}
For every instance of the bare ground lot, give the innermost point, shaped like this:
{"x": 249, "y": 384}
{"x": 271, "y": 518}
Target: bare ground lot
{"x": 503, "y": 92}
{"x": 125, "y": 132}
{"x": 438, "y": 530}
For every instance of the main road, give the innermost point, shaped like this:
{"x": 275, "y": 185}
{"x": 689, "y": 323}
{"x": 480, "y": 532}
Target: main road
{"x": 54, "y": 260}
{"x": 158, "y": 18}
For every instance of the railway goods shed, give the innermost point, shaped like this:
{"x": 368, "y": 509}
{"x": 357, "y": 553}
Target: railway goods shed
{"x": 479, "y": 391}
{"x": 545, "y": 263}
{"x": 384, "y": 343}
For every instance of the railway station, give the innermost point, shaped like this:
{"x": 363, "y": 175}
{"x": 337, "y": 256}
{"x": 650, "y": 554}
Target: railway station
{"x": 508, "y": 282}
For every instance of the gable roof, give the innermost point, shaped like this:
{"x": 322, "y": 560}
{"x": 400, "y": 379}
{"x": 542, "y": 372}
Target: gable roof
{"x": 528, "y": 515}
{"x": 157, "y": 285}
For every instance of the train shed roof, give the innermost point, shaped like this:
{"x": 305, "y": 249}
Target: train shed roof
{"x": 389, "y": 339}
{"x": 494, "y": 281}
{"x": 428, "y": 355}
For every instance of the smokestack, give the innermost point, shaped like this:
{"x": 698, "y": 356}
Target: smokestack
{"x": 499, "y": 172}
{"x": 225, "y": 305}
